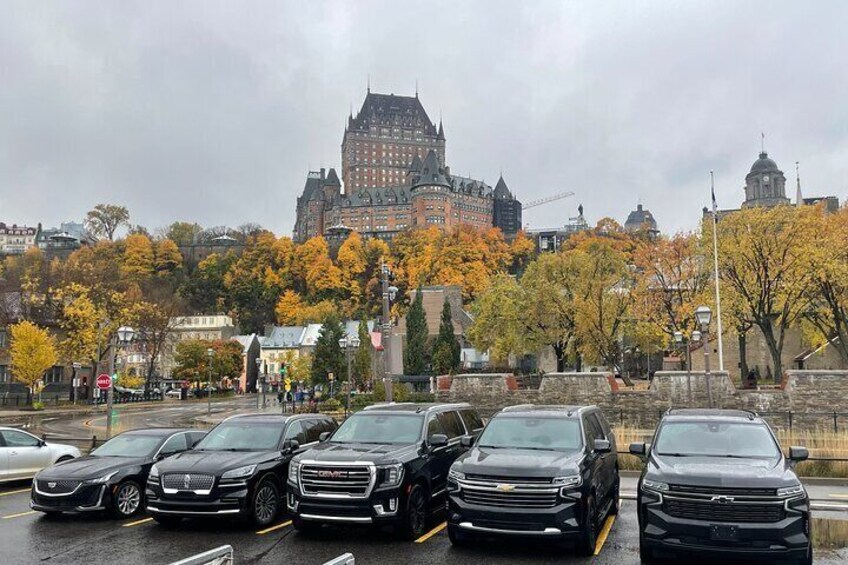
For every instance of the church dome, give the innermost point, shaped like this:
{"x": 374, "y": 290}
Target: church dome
{"x": 764, "y": 165}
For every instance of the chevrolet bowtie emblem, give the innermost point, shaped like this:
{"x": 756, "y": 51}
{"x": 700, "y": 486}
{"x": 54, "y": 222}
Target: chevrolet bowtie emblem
{"x": 506, "y": 488}
{"x": 722, "y": 499}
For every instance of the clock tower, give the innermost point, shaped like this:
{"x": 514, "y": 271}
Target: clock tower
{"x": 765, "y": 185}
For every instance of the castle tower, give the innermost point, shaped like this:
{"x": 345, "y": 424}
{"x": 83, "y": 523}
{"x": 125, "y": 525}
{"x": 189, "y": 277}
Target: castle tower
{"x": 765, "y": 185}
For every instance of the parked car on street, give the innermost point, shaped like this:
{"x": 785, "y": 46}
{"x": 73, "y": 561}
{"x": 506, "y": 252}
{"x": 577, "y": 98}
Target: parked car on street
{"x": 536, "y": 471}
{"x": 112, "y": 477}
{"x": 716, "y": 483}
{"x": 239, "y": 469}
{"x": 385, "y": 465}
{"x": 22, "y": 454}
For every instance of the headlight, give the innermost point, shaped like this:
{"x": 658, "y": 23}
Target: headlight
{"x": 390, "y": 475}
{"x": 294, "y": 467}
{"x": 238, "y": 473}
{"x": 568, "y": 483}
{"x": 455, "y": 476}
{"x": 654, "y": 486}
{"x": 154, "y": 473}
{"x": 100, "y": 480}
{"x": 790, "y": 492}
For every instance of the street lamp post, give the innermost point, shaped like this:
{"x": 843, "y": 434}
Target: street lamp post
{"x": 349, "y": 344}
{"x": 210, "y": 353}
{"x": 703, "y": 315}
{"x": 682, "y": 341}
{"x": 258, "y": 377}
{"x": 75, "y": 380}
{"x": 121, "y": 339}
{"x": 389, "y": 293}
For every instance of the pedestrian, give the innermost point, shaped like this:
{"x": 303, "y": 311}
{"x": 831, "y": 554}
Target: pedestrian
{"x": 280, "y": 397}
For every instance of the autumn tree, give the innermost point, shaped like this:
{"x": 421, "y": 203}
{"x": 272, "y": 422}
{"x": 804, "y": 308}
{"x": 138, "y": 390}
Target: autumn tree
{"x": 104, "y": 220}
{"x": 292, "y": 310}
{"x": 167, "y": 257}
{"x": 446, "y": 348}
{"x": 32, "y": 352}
{"x": 79, "y": 318}
{"x": 497, "y": 314}
{"x": 328, "y": 356}
{"x": 155, "y": 317}
{"x": 138, "y": 257}
{"x": 182, "y": 233}
{"x": 764, "y": 264}
{"x": 417, "y": 338}
{"x": 298, "y": 366}
{"x": 205, "y": 287}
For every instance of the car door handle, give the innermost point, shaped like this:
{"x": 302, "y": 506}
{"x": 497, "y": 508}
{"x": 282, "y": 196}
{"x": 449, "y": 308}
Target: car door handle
{"x": 13, "y": 453}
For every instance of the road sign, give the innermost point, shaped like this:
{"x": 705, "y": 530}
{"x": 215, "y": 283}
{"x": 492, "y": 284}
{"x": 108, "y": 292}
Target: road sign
{"x": 287, "y": 382}
{"x": 104, "y": 382}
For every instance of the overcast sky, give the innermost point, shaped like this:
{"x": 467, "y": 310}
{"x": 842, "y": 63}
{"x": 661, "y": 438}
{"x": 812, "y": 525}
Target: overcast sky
{"x": 215, "y": 111}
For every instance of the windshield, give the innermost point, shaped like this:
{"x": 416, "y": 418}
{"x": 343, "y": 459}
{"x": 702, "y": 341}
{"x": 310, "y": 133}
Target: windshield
{"x": 242, "y": 436}
{"x": 129, "y": 445}
{"x": 716, "y": 439}
{"x": 532, "y": 433}
{"x": 380, "y": 428}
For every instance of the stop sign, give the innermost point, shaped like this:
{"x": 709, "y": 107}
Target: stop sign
{"x": 104, "y": 382}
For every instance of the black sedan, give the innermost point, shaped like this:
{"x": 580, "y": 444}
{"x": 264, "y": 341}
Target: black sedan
{"x": 112, "y": 477}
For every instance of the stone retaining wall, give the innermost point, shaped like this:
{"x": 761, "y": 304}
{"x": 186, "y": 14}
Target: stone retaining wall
{"x": 806, "y": 399}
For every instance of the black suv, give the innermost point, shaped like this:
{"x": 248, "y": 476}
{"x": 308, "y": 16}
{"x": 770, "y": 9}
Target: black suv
{"x": 239, "y": 469}
{"x": 540, "y": 471}
{"x": 716, "y": 481}
{"x": 385, "y": 465}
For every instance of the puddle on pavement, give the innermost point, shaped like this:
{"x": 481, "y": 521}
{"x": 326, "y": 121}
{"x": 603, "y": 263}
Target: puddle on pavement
{"x": 830, "y": 534}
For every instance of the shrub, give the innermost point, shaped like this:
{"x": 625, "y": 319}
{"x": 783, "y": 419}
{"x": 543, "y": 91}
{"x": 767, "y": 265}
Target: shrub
{"x": 331, "y": 405}
{"x": 38, "y": 405}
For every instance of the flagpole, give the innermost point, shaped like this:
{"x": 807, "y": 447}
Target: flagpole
{"x": 715, "y": 267}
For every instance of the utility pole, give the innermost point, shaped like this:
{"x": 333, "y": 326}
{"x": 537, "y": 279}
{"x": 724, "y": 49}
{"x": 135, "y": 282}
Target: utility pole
{"x": 386, "y": 330}
{"x": 109, "y": 392}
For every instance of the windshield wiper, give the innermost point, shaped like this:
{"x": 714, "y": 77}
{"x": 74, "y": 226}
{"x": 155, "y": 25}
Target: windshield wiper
{"x": 492, "y": 446}
{"x": 680, "y": 455}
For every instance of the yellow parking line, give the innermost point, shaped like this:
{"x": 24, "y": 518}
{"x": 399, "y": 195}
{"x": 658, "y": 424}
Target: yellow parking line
{"x": 137, "y": 523}
{"x": 275, "y": 528}
{"x": 602, "y": 538}
{"x": 14, "y": 492}
{"x": 19, "y": 515}
{"x": 432, "y": 532}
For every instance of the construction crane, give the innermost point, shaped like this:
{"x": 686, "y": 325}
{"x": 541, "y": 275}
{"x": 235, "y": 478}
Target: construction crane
{"x": 545, "y": 200}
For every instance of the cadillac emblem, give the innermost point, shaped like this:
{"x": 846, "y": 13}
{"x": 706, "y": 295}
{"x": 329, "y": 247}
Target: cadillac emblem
{"x": 187, "y": 481}
{"x": 506, "y": 488}
{"x": 51, "y": 485}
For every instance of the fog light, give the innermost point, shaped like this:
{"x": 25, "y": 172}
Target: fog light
{"x": 292, "y": 502}
{"x": 393, "y": 504}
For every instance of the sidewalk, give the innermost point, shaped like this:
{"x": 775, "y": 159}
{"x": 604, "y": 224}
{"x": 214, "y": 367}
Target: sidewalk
{"x": 82, "y": 409}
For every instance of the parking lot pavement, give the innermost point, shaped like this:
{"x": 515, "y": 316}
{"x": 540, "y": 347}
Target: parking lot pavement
{"x": 27, "y": 538}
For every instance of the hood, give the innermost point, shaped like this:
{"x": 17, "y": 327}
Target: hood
{"x": 360, "y": 452}
{"x": 213, "y": 462}
{"x": 721, "y": 472}
{"x": 89, "y": 467}
{"x": 518, "y": 462}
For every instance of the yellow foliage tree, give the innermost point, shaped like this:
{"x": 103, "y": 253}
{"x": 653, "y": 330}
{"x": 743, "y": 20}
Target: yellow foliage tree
{"x": 167, "y": 257}
{"x": 32, "y": 352}
{"x": 138, "y": 256}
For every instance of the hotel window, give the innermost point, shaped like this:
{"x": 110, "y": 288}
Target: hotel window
{"x": 53, "y": 375}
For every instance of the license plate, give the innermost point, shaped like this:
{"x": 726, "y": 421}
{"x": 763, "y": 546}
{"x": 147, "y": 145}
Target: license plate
{"x": 724, "y": 533}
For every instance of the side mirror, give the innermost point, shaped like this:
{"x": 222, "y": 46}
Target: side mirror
{"x": 42, "y": 443}
{"x": 602, "y": 446}
{"x": 638, "y": 449}
{"x": 467, "y": 441}
{"x": 291, "y": 445}
{"x": 437, "y": 440}
{"x": 797, "y": 453}
{"x": 324, "y": 436}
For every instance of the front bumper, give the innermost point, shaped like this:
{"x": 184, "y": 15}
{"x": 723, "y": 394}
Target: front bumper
{"x": 561, "y": 521}
{"x": 228, "y": 500}
{"x": 86, "y": 498}
{"x": 787, "y": 538}
{"x": 380, "y": 507}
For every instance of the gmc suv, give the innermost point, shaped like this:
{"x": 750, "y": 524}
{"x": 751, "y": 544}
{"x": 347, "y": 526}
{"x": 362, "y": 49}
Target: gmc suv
{"x": 717, "y": 482}
{"x": 385, "y": 465}
{"x": 536, "y": 471}
{"x": 239, "y": 469}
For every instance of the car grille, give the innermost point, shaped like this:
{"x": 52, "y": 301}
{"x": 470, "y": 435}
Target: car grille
{"x": 336, "y": 481}
{"x": 726, "y": 491}
{"x": 85, "y": 496}
{"x": 707, "y": 510}
{"x": 187, "y": 481}
{"x": 512, "y": 493}
{"x": 57, "y": 487}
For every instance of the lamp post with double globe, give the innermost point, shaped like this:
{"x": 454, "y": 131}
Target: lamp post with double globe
{"x": 703, "y": 315}
{"x": 349, "y": 344}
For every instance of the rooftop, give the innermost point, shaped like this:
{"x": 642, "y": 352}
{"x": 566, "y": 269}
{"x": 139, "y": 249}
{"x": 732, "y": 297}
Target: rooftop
{"x": 412, "y": 407}
{"x": 711, "y": 413}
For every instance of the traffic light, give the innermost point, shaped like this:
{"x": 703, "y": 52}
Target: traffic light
{"x": 284, "y": 368}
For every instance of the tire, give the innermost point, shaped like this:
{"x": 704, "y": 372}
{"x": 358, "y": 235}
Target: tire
{"x": 457, "y": 537}
{"x": 646, "y": 556}
{"x": 167, "y": 521}
{"x": 807, "y": 559}
{"x": 414, "y": 518}
{"x": 265, "y": 505}
{"x": 616, "y": 493}
{"x": 51, "y": 515}
{"x": 127, "y": 500}
{"x": 589, "y": 528}
{"x": 305, "y": 527}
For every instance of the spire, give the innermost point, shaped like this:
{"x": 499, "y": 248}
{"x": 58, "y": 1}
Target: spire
{"x": 416, "y": 88}
{"x": 763, "y": 143}
{"x": 441, "y": 134}
{"x": 799, "y": 200}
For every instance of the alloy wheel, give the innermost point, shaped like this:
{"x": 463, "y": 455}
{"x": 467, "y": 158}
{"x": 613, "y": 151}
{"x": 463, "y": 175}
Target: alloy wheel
{"x": 129, "y": 499}
{"x": 417, "y": 512}
{"x": 266, "y": 503}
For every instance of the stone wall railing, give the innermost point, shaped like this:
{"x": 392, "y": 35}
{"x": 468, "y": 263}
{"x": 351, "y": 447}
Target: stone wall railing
{"x": 805, "y": 399}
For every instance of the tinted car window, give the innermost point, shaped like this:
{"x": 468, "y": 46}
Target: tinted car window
{"x": 473, "y": 422}
{"x": 590, "y": 432}
{"x": 716, "y": 439}
{"x": 313, "y": 429}
{"x": 597, "y": 429}
{"x": 243, "y": 436}
{"x": 194, "y": 437}
{"x": 175, "y": 444}
{"x": 365, "y": 427}
{"x": 531, "y": 432}
{"x": 296, "y": 431}
{"x": 129, "y": 445}
{"x": 452, "y": 424}
{"x": 19, "y": 439}
{"x": 435, "y": 427}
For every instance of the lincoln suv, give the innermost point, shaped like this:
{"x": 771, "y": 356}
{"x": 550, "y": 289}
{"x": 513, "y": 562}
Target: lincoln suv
{"x": 716, "y": 482}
